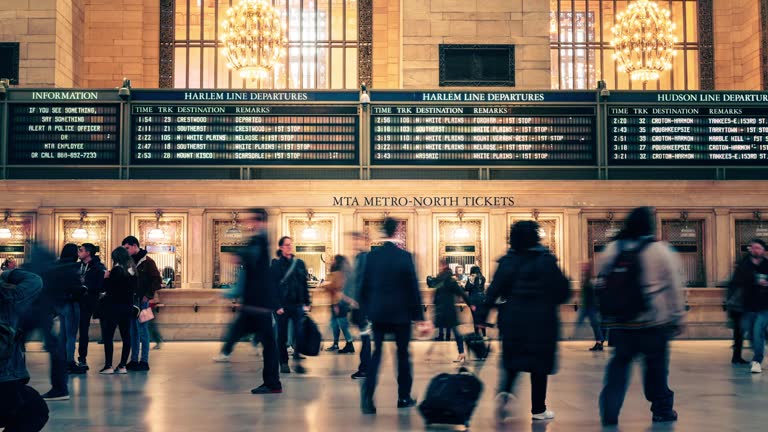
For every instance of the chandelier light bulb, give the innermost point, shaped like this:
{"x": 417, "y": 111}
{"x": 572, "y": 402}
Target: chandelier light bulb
{"x": 5, "y": 233}
{"x": 80, "y": 234}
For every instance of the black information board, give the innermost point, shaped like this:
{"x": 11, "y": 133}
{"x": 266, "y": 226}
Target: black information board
{"x": 688, "y": 129}
{"x": 81, "y": 131}
{"x": 246, "y": 133}
{"x": 485, "y": 133}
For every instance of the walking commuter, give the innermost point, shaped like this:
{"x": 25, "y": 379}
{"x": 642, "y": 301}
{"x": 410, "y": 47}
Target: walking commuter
{"x": 290, "y": 273}
{"x": 260, "y": 300}
{"x": 21, "y": 407}
{"x": 659, "y": 282}
{"x": 390, "y": 298}
{"x": 92, "y": 277}
{"x": 588, "y": 307}
{"x": 352, "y": 296}
{"x": 475, "y": 288}
{"x": 447, "y": 290}
{"x": 746, "y": 274}
{"x": 117, "y": 309}
{"x": 149, "y": 282}
{"x": 334, "y": 285}
{"x": 528, "y": 289}
{"x": 751, "y": 280}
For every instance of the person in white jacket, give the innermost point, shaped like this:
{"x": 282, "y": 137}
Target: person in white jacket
{"x": 649, "y": 333}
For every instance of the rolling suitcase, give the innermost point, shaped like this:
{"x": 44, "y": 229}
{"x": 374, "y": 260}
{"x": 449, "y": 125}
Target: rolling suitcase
{"x": 451, "y": 398}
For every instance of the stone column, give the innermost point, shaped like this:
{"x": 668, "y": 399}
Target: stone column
{"x": 721, "y": 244}
{"x": 121, "y": 228}
{"x": 346, "y": 224}
{"x": 423, "y": 249}
{"x": 195, "y": 243}
{"x": 572, "y": 244}
{"x": 498, "y": 231}
{"x": 45, "y": 230}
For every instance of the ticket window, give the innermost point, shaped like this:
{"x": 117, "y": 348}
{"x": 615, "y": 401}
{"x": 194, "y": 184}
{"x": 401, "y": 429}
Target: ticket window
{"x": 314, "y": 243}
{"x": 15, "y": 239}
{"x": 461, "y": 243}
{"x": 687, "y": 237}
{"x": 229, "y": 237}
{"x": 373, "y": 232}
{"x": 599, "y": 233}
{"x": 747, "y": 230}
{"x": 163, "y": 239}
{"x": 85, "y": 228}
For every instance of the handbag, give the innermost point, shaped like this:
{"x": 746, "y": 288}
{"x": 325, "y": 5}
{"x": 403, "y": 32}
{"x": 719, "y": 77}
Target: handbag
{"x": 146, "y": 315}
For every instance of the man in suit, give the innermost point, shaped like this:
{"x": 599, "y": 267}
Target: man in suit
{"x": 389, "y": 297}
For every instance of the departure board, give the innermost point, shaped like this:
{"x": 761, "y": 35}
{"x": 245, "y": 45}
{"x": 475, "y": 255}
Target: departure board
{"x": 484, "y": 133}
{"x": 703, "y": 128}
{"x": 248, "y": 133}
{"x": 79, "y": 132}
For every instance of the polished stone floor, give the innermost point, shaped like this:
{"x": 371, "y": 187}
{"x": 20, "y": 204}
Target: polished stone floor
{"x": 185, "y": 391}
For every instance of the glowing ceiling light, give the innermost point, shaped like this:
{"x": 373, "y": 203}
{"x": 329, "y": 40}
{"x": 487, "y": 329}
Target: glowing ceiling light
{"x": 644, "y": 41}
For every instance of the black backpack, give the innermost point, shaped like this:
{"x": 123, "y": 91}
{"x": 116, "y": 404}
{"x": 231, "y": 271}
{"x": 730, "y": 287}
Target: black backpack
{"x": 619, "y": 289}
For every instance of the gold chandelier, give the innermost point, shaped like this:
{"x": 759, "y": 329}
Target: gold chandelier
{"x": 644, "y": 41}
{"x": 254, "y": 39}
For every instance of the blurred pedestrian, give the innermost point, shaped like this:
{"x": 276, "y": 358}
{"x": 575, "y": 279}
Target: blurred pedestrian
{"x": 290, "y": 274}
{"x": 528, "y": 289}
{"x": 447, "y": 289}
{"x": 588, "y": 307}
{"x": 390, "y": 298}
{"x": 656, "y": 321}
{"x": 750, "y": 282}
{"x": 475, "y": 288}
{"x": 21, "y": 407}
{"x": 334, "y": 285}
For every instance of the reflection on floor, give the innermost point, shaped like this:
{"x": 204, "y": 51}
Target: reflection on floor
{"x": 186, "y": 392}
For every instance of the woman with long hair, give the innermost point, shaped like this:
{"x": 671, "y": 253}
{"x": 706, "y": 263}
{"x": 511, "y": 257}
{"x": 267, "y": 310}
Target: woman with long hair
{"x": 117, "y": 308}
{"x": 528, "y": 289}
{"x": 447, "y": 289}
{"x": 334, "y": 285}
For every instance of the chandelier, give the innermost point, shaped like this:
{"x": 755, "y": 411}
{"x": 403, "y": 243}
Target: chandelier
{"x": 644, "y": 41}
{"x": 254, "y": 39}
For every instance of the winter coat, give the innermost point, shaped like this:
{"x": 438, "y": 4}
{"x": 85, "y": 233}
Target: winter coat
{"x": 744, "y": 293}
{"x": 294, "y": 290}
{"x": 120, "y": 287}
{"x": 259, "y": 288}
{"x": 447, "y": 290}
{"x": 61, "y": 283}
{"x": 334, "y": 285}
{"x": 476, "y": 290}
{"x": 531, "y": 287}
{"x": 390, "y": 289}
{"x": 18, "y": 291}
{"x": 150, "y": 280}
{"x": 92, "y": 276}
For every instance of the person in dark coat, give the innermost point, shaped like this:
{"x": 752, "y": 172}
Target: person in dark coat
{"x": 117, "y": 309}
{"x": 475, "y": 288}
{"x": 530, "y": 287}
{"x": 588, "y": 307}
{"x": 92, "y": 277}
{"x": 390, "y": 298}
{"x": 447, "y": 289}
{"x": 290, "y": 275}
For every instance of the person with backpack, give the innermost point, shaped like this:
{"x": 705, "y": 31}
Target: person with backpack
{"x": 528, "y": 288}
{"x": 748, "y": 303}
{"x": 641, "y": 297}
{"x": 21, "y": 407}
{"x": 447, "y": 289}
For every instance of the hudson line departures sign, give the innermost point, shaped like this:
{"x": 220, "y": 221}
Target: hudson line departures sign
{"x": 688, "y": 128}
{"x": 485, "y": 128}
{"x": 244, "y": 128}
{"x": 63, "y": 127}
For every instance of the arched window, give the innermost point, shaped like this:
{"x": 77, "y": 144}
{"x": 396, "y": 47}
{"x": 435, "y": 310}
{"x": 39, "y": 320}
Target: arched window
{"x": 322, "y": 52}
{"x": 581, "y": 52}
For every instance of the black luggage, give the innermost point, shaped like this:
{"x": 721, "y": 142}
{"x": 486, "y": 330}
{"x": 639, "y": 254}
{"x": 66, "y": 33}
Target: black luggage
{"x": 451, "y": 398}
{"x": 477, "y": 346}
{"x": 309, "y": 343}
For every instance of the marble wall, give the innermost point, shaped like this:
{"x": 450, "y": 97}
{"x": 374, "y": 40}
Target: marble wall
{"x": 737, "y": 45}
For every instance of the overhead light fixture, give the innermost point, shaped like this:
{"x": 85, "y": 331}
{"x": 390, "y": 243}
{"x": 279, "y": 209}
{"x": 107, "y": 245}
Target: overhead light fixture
{"x": 461, "y": 233}
{"x": 234, "y": 233}
{"x": 644, "y": 41}
{"x": 310, "y": 232}
{"x": 254, "y": 38}
{"x": 80, "y": 233}
{"x": 5, "y": 232}
{"x": 156, "y": 234}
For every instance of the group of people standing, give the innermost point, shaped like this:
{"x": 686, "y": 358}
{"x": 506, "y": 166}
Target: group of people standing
{"x": 78, "y": 287}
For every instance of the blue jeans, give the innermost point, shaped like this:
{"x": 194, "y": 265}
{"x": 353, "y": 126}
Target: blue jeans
{"x": 756, "y": 324}
{"x": 594, "y": 321}
{"x": 339, "y": 323}
{"x": 140, "y": 337}
{"x": 69, "y": 320}
{"x": 653, "y": 344}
